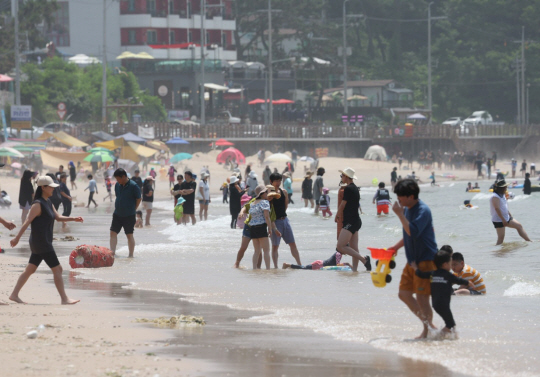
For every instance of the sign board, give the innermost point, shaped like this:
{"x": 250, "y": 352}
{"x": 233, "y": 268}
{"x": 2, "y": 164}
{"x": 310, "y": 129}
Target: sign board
{"x": 146, "y": 132}
{"x": 61, "y": 112}
{"x": 178, "y": 114}
{"x": 21, "y": 117}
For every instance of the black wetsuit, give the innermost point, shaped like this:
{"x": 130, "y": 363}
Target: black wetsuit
{"x": 441, "y": 292}
{"x": 527, "y": 186}
{"x": 332, "y": 261}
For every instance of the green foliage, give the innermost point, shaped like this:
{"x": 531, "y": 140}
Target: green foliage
{"x": 80, "y": 89}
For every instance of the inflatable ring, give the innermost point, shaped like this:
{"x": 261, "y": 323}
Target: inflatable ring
{"x": 401, "y": 132}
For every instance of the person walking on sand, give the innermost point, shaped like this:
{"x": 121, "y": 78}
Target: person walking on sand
{"x": 148, "y": 198}
{"x": 347, "y": 213}
{"x": 41, "y": 219}
{"x": 66, "y": 198}
{"x": 307, "y": 189}
{"x": 420, "y": 249}
{"x": 26, "y": 194}
{"x": 317, "y": 188}
{"x": 72, "y": 175}
{"x": 204, "y": 196}
{"x": 500, "y": 215}
{"x": 282, "y": 222}
{"x": 128, "y": 198}
{"x": 92, "y": 187}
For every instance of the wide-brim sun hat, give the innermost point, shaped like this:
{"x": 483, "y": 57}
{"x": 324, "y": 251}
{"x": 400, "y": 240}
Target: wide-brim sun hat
{"x": 259, "y": 190}
{"x": 501, "y": 183}
{"x": 286, "y": 174}
{"x": 272, "y": 193}
{"x": 233, "y": 179}
{"x": 45, "y": 180}
{"x": 252, "y": 174}
{"x": 180, "y": 200}
{"x": 349, "y": 172}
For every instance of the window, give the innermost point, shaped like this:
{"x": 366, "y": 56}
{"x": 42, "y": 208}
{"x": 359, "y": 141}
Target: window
{"x": 224, "y": 40}
{"x": 131, "y": 5}
{"x": 190, "y": 36}
{"x": 132, "y": 37}
{"x": 189, "y": 9}
{"x": 171, "y": 37}
{"x": 171, "y": 6}
{"x": 151, "y": 37}
{"x": 151, "y": 6}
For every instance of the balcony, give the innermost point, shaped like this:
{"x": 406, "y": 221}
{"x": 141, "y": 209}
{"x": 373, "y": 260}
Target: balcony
{"x": 144, "y": 10}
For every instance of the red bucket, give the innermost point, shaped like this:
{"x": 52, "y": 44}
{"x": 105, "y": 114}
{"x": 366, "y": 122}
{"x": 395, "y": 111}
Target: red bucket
{"x": 381, "y": 253}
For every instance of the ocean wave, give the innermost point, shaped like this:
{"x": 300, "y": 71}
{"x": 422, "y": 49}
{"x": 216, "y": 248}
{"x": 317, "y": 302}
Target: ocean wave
{"x": 523, "y": 289}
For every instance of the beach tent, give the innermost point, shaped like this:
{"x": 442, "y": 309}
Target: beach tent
{"x": 177, "y": 140}
{"x": 52, "y": 159}
{"x": 141, "y": 150}
{"x": 376, "y": 152}
{"x": 102, "y": 135}
{"x": 126, "y": 152}
{"x": 132, "y": 137}
{"x": 158, "y": 144}
{"x": 63, "y": 138}
{"x": 231, "y": 154}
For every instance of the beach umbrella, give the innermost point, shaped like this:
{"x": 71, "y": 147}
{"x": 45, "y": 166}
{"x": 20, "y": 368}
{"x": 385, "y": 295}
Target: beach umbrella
{"x": 307, "y": 159}
{"x": 23, "y": 148}
{"x": 177, "y": 140}
{"x": 99, "y": 156}
{"x": 278, "y": 157}
{"x": 158, "y": 144}
{"x": 5, "y": 78}
{"x": 99, "y": 149}
{"x": 231, "y": 154}
{"x": 257, "y": 101}
{"x": 357, "y": 97}
{"x": 10, "y": 152}
{"x": 16, "y": 165}
{"x": 222, "y": 143}
{"x": 416, "y": 116}
{"x": 180, "y": 157}
{"x": 130, "y": 136}
{"x": 102, "y": 135}
{"x": 282, "y": 102}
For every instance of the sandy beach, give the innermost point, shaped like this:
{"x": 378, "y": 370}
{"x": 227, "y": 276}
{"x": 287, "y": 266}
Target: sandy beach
{"x": 100, "y": 335}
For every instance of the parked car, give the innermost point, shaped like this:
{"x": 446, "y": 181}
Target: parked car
{"x": 454, "y": 121}
{"x": 226, "y": 116}
{"x": 480, "y": 117}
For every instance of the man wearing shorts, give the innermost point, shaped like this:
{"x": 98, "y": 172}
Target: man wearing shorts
{"x": 382, "y": 198}
{"x": 420, "y": 249}
{"x": 187, "y": 190}
{"x": 128, "y": 198}
{"x": 347, "y": 213}
{"x": 282, "y": 222}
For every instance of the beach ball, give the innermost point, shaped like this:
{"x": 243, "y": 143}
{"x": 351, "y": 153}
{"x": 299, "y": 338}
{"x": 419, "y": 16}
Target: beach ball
{"x": 375, "y": 182}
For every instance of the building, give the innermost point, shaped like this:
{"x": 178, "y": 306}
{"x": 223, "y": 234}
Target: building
{"x": 378, "y": 93}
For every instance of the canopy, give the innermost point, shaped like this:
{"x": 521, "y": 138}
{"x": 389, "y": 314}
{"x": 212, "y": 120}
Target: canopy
{"x": 257, "y": 101}
{"x": 282, "y": 102}
{"x": 99, "y": 156}
{"x": 416, "y": 116}
{"x": 158, "y": 144}
{"x": 102, "y": 135}
{"x": 216, "y": 87}
{"x": 177, "y": 140}
{"x": 52, "y": 159}
{"x": 357, "y": 97}
{"x": 141, "y": 150}
{"x": 376, "y": 152}
{"x": 10, "y": 152}
{"x": 83, "y": 60}
{"x": 180, "y": 157}
{"x": 231, "y": 154}
{"x": 131, "y": 137}
{"x": 126, "y": 152}
{"x": 222, "y": 143}
{"x": 131, "y": 55}
{"x": 278, "y": 157}
{"x": 5, "y": 78}
{"x": 63, "y": 138}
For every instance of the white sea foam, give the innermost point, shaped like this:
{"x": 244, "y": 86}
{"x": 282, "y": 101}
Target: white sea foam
{"x": 523, "y": 289}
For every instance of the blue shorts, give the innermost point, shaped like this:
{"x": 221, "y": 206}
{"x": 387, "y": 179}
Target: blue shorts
{"x": 285, "y": 229}
{"x": 204, "y": 202}
{"x": 246, "y": 233}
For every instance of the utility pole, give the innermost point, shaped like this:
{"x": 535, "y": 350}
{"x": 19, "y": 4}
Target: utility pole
{"x": 429, "y": 59}
{"x": 203, "y": 37}
{"x": 517, "y": 62}
{"x": 270, "y": 70}
{"x": 104, "y": 63}
{"x": 523, "y": 74}
{"x": 345, "y": 102}
{"x": 15, "y": 14}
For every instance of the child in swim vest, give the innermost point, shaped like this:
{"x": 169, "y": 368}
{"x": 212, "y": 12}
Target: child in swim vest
{"x": 324, "y": 203}
{"x": 179, "y": 210}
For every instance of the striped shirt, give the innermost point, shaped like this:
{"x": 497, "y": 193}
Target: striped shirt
{"x": 471, "y": 274}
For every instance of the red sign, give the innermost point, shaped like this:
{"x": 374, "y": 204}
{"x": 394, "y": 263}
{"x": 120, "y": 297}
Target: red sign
{"x": 61, "y": 114}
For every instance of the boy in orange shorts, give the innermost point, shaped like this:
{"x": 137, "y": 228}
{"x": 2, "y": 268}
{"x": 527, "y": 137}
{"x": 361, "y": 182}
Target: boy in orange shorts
{"x": 382, "y": 197}
{"x": 420, "y": 250}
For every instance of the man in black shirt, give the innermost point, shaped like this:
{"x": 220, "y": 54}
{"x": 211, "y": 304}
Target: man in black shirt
{"x": 137, "y": 179}
{"x": 393, "y": 178}
{"x": 348, "y": 215}
{"x": 175, "y": 190}
{"x": 187, "y": 190}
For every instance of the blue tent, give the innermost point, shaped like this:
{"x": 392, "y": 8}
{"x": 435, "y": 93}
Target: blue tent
{"x": 177, "y": 140}
{"x": 132, "y": 137}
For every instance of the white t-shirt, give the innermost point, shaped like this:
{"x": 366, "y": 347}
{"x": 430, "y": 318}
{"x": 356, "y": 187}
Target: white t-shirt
{"x": 503, "y": 206}
{"x": 206, "y": 190}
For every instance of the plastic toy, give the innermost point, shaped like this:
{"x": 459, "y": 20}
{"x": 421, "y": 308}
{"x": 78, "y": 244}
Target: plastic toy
{"x": 385, "y": 263}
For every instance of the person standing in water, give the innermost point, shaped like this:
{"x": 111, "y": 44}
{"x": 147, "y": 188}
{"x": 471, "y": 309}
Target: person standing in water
{"x": 307, "y": 189}
{"x": 41, "y": 219}
{"x": 420, "y": 250}
{"x": 347, "y": 213}
{"x": 317, "y": 188}
{"x": 500, "y": 215}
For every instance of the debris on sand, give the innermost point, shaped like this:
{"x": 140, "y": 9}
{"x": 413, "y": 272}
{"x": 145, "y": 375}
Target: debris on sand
{"x": 175, "y": 321}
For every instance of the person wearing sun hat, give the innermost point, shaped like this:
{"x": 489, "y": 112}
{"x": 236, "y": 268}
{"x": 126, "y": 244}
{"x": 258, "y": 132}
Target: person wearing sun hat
{"x": 41, "y": 219}
{"x": 347, "y": 213}
{"x": 260, "y": 226}
{"x": 500, "y": 215}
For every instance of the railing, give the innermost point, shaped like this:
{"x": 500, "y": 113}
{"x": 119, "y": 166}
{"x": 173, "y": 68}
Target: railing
{"x": 165, "y": 131}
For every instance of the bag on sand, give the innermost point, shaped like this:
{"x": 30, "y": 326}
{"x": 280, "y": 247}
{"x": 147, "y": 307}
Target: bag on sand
{"x": 87, "y": 256}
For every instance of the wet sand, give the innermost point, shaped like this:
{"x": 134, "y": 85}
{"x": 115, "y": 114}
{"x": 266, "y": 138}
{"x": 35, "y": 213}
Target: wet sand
{"x": 99, "y": 335}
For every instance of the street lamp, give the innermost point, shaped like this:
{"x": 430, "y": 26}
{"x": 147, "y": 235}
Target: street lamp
{"x": 345, "y": 103}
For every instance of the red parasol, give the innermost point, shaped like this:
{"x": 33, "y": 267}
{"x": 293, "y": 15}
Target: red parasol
{"x": 5, "y": 78}
{"x": 282, "y": 102}
{"x": 257, "y": 101}
{"x": 231, "y": 154}
{"x": 222, "y": 143}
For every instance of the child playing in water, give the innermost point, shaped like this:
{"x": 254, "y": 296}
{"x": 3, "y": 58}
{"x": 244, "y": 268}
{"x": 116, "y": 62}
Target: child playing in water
{"x": 465, "y": 271}
{"x": 139, "y": 222}
{"x": 324, "y": 203}
{"x": 179, "y": 210}
{"x": 441, "y": 287}
{"x": 334, "y": 260}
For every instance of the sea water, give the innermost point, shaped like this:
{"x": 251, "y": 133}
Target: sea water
{"x": 499, "y": 334}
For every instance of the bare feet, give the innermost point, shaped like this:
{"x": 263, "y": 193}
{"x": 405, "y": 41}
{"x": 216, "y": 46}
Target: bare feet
{"x": 286, "y": 265}
{"x": 424, "y": 333}
{"x": 237, "y": 265}
{"x": 16, "y": 299}
{"x": 69, "y": 301}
